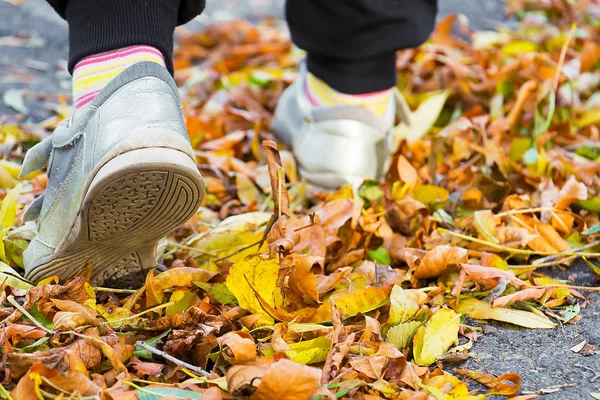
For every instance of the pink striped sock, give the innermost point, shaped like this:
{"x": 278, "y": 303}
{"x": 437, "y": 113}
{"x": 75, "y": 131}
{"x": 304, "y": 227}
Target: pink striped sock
{"x": 92, "y": 73}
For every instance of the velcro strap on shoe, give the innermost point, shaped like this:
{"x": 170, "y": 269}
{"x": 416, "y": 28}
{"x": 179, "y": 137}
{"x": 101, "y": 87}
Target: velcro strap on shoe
{"x": 36, "y": 158}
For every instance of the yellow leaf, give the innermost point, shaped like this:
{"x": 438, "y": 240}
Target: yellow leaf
{"x": 9, "y": 277}
{"x": 254, "y": 273}
{"x": 183, "y": 300}
{"x": 8, "y": 207}
{"x": 438, "y": 334}
{"x": 402, "y": 334}
{"x": 485, "y": 223}
{"x": 402, "y": 307}
{"x": 421, "y": 121}
{"x": 478, "y": 309}
{"x": 448, "y": 385}
{"x": 246, "y": 189}
{"x": 231, "y": 235}
{"x": 560, "y": 292}
{"x": 307, "y": 352}
{"x": 428, "y": 194}
{"x": 517, "y": 47}
{"x": 354, "y": 302}
{"x": 589, "y": 118}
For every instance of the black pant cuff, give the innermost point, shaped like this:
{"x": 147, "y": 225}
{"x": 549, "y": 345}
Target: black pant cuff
{"x": 355, "y": 76}
{"x": 99, "y": 26}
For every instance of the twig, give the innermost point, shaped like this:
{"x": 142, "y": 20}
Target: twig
{"x": 174, "y": 360}
{"x": 517, "y": 251}
{"x": 111, "y": 290}
{"x": 11, "y": 300}
{"x": 596, "y": 375}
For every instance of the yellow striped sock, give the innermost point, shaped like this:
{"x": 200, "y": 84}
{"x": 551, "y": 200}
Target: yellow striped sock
{"x": 322, "y": 95}
{"x": 92, "y": 73}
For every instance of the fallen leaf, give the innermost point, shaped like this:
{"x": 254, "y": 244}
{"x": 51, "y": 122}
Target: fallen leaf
{"x": 436, "y": 336}
{"x": 287, "y": 380}
{"x": 254, "y": 273}
{"x": 478, "y": 309}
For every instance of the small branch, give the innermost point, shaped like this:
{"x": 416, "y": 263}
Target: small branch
{"x": 174, "y": 360}
{"x": 518, "y": 251}
{"x": 11, "y": 300}
{"x": 111, "y": 290}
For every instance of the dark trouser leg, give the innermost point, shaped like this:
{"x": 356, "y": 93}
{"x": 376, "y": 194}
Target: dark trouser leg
{"x": 96, "y": 26}
{"x": 352, "y": 44}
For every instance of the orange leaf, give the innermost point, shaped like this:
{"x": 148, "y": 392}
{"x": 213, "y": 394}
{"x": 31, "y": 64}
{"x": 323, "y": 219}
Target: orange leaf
{"x": 533, "y": 293}
{"x": 287, "y": 380}
{"x": 498, "y": 385}
{"x": 237, "y": 347}
{"x": 438, "y": 260}
{"x": 484, "y": 273}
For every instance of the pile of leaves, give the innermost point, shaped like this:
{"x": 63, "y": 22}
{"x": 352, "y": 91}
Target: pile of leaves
{"x": 275, "y": 291}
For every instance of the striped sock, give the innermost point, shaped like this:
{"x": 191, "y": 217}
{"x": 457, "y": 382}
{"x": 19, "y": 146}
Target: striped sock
{"x": 322, "y": 95}
{"x": 92, "y": 73}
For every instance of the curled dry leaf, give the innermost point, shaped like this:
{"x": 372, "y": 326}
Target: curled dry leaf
{"x": 237, "y": 347}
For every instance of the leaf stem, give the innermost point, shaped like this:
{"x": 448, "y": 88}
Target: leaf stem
{"x": 15, "y": 304}
{"x": 174, "y": 360}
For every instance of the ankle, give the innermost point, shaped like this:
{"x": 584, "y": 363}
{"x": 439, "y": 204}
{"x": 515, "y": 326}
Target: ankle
{"x": 92, "y": 73}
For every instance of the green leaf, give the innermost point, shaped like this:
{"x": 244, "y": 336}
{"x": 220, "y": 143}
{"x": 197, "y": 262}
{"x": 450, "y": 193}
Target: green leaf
{"x": 143, "y": 353}
{"x": 592, "y": 204}
{"x": 157, "y": 393}
{"x": 380, "y": 256}
{"x": 402, "y": 334}
{"x": 183, "y": 300}
{"x": 219, "y": 291}
{"x": 33, "y": 346}
{"x": 371, "y": 191}
{"x": 592, "y": 230}
{"x": 571, "y": 312}
{"x": 39, "y": 317}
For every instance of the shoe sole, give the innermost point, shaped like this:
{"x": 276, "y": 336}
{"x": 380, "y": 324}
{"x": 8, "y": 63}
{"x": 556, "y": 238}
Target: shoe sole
{"x": 133, "y": 201}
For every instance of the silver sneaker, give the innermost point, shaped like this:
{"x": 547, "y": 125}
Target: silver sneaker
{"x": 121, "y": 175}
{"x": 335, "y": 146}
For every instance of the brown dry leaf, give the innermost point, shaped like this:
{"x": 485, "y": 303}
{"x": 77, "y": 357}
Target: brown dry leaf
{"x": 533, "y": 293}
{"x": 571, "y": 191}
{"x": 182, "y": 277}
{"x": 75, "y": 290}
{"x": 438, "y": 260}
{"x": 281, "y": 200}
{"x": 478, "y": 272}
{"x": 498, "y": 385}
{"x": 237, "y": 347}
{"x": 287, "y": 380}
{"x": 407, "y": 173}
{"x": 302, "y": 281}
{"x": 154, "y": 293}
{"x": 325, "y": 283}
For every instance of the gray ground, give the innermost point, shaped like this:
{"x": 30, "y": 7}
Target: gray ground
{"x": 542, "y": 358}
